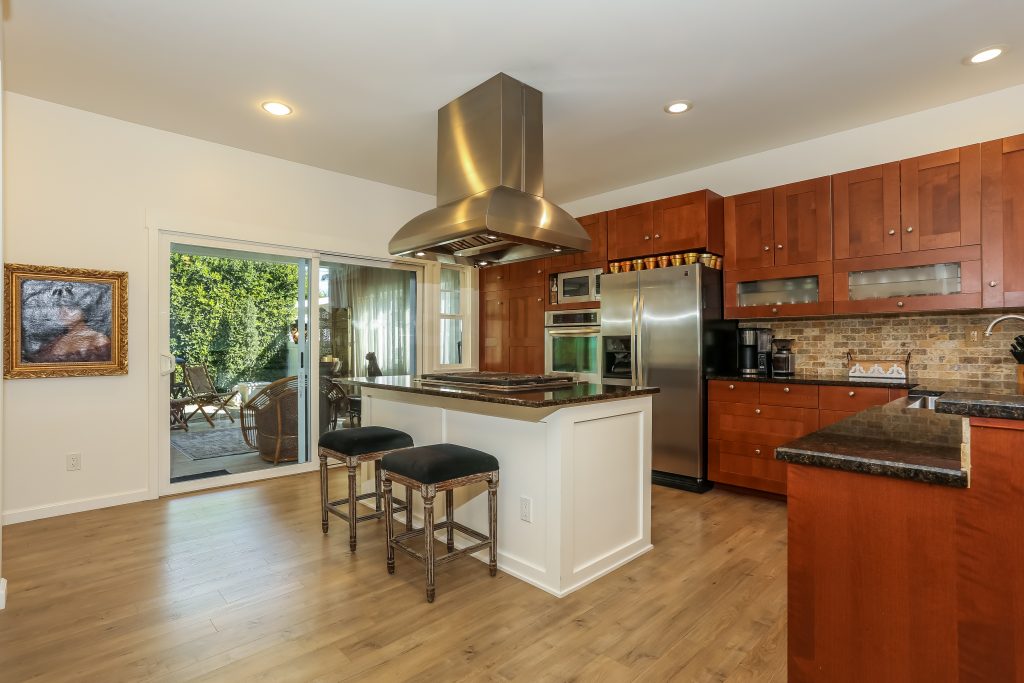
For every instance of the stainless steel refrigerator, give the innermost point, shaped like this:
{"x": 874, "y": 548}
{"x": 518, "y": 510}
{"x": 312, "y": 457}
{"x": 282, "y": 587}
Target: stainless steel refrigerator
{"x": 664, "y": 328}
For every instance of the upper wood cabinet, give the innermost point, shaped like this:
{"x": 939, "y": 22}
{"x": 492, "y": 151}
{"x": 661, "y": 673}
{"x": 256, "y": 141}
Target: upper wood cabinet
{"x": 940, "y": 196}
{"x": 866, "y": 211}
{"x": 803, "y": 222}
{"x": 630, "y": 230}
{"x": 749, "y": 236}
{"x": 1002, "y": 221}
{"x": 527, "y": 273}
{"x": 494, "y": 278}
{"x": 596, "y": 225}
{"x": 687, "y": 222}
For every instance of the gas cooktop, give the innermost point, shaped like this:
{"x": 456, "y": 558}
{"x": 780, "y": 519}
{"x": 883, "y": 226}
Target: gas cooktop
{"x": 498, "y": 381}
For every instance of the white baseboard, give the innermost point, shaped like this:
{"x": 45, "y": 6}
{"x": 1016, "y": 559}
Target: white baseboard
{"x": 80, "y": 505}
{"x": 3, "y": 593}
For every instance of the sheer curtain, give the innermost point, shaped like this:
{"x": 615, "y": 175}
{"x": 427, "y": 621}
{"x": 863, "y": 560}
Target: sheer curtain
{"x": 370, "y": 310}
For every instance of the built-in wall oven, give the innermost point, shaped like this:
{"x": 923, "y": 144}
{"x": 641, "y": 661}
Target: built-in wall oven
{"x": 578, "y": 286}
{"x": 572, "y": 343}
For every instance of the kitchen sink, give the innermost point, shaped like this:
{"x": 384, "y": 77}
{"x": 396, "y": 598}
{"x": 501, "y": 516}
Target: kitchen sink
{"x": 922, "y": 402}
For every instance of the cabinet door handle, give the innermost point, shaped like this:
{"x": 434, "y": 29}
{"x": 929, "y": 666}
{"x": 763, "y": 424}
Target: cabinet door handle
{"x": 647, "y": 237}
{"x": 993, "y": 283}
{"x": 499, "y": 277}
{"x": 657, "y": 236}
{"x": 757, "y": 451}
{"x": 910, "y": 228}
{"x": 539, "y": 299}
{"x": 778, "y": 246}
{"x": 853, "y": 393}
{"x": 786, "y": 389}
{"x": 892, "y": 231}
{"x": 732, "y": 386}
{"x": 899, "y": 304}
{"x": 757, "y": 411}
{"x": 767, "y": 248}
{"x": 539, "y": 272}
{"x": 775, "y": 310}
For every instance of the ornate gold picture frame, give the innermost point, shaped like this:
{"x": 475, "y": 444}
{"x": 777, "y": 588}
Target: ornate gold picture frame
{"x": 64, "y": 322}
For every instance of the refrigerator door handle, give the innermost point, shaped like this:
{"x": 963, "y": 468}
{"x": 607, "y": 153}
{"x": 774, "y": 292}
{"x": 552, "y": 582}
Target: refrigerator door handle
{"x": 633, "y": 354}
{"x": 640, "y": 343}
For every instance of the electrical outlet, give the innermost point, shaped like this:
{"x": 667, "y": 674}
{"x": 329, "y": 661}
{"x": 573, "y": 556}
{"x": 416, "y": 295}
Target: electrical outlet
{"x": 525, "y": 509}
{"x": 74, "y": 462}
{"x": 972, "y": 336}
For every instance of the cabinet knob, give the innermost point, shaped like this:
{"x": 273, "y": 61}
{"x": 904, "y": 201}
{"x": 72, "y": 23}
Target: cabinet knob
{"x": 853, "y": 393}
{"x": 767, "y": 248}
{"x": 539, "y": 272}
{"x": 539, "y": 299}
{"x": 899, "y": 304}
{"x": 647, "y": 237}
{"x": 786, "y": 389}
{"x": 892, "y": 231}
{"x": 778, "y": 246}
{"x": 757, "y": 411}
{"x": 910, "y": 228}
{"x": 657, "y": 236}
{"x": 757, "y": 451}
{"x": 499, "y": 277}
{"x": 775, "y": 310}
{"x": 732, "y": 386}
{"x": 992, "y": 283}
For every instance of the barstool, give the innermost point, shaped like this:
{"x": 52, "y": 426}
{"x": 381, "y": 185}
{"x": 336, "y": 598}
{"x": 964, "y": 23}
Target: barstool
{"x": 430, "y": 469}
{"x": 351, "y": 447}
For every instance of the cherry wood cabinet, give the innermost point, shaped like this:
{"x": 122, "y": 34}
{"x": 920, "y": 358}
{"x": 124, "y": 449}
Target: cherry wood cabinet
{"x": 749, "y": 232}
{"x": 494, "y": 278}
{"x": 866, "y": 211}
{"x": 596, "y": 226}
{"x": 629, "y": 231}
{"x": 734, "y": 279}
{"x": 527, "y": 274}
{"x": 803, "y": 222}
{"x": 512, "y": 330}
{"x": 940, "y": 197}
{"x": 494, "y": 331}
{"x": 1002, "y": 218}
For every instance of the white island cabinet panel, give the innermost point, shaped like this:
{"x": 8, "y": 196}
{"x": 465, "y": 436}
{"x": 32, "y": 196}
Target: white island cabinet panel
{"x": 584, "y": 471}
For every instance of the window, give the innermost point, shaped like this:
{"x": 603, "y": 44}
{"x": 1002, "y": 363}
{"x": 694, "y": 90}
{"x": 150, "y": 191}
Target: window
{"x": 452, "y": 315}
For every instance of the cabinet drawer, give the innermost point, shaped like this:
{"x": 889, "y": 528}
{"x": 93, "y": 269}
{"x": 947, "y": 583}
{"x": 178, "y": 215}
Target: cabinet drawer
{"x": 794, "y": 395}
{"x": 763, "y": 424}
{"x": 745, "y": 464}
{"x": 852, "y": 399}
{"x": 732, "y": 392}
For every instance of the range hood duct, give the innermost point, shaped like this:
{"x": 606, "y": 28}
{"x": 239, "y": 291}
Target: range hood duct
{"x": 490, "y": 184}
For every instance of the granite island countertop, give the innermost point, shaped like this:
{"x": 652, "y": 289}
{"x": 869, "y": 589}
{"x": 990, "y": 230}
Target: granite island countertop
{"x": 823, "y": 377}
{"x": 577, "y": 393}
{"x": 977, "y": 398}
{"x": 890, "y": 440}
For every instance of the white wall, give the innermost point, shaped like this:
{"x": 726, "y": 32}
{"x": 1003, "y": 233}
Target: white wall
{"x": 79, "y": 187}
{"x": 986, "y": 117}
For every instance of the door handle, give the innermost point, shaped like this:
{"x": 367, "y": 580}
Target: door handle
{"x": 167, "y": 365}
{"x": 640, "y": 343}
{"x": 634, "y": 352}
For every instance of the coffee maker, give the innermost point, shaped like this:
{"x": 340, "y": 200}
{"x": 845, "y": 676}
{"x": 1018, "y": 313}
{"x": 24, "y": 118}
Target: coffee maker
{"x": 755, "y": 352}
{"x": 784, "y": 360}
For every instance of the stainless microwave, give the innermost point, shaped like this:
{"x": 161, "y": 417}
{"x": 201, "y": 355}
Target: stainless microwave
{"x": 579, "y": 286}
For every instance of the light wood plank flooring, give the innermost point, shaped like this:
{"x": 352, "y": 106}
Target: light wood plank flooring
{"x": 239, "y": 584}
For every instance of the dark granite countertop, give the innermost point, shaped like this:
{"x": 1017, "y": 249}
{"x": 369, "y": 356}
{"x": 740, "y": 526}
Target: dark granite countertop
{"x": 1000, "y": 400}
{"x": 580, "y": 392}
{"x": 825, "y": 377}
{"x": 892, "y": 441}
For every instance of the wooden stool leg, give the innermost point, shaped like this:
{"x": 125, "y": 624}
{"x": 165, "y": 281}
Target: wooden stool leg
{"x": 428, "y": 539}
{"x": 323, "y": 493}
{"x": 353, "y": 505}
{"x": 492, "y": 514}
{"x": 408, "y": 509}
{"x": 449, "y": 509}
{"x": 376, "y": 483}
{"x": 389, "y": 524}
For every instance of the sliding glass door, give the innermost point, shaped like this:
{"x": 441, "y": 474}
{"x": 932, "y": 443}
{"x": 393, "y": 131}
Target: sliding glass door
{"x": 238, "y": 347}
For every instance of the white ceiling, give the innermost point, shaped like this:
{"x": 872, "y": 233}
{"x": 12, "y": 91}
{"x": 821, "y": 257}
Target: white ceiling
{"x": 366, "y": 78}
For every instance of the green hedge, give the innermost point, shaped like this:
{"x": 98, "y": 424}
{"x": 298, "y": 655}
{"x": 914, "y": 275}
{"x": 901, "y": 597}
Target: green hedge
{"x": 232, "y": 315}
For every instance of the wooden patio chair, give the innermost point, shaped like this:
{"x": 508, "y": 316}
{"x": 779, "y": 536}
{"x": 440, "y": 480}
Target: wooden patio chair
{"x": 203, "y": 394}
{"x": 270, "y": 421}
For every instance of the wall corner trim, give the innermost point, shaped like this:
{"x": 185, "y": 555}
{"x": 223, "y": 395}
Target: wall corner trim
{"x": 3, "y": 593}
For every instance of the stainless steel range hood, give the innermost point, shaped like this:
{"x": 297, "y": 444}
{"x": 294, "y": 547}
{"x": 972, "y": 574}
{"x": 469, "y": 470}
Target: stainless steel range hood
{"x": 490, "y": 184}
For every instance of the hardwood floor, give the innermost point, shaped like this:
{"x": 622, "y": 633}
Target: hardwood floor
{"x": 239, "y": 584}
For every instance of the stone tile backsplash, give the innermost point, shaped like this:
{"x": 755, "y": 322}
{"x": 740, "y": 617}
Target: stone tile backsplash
{"x": 940, "y": 343}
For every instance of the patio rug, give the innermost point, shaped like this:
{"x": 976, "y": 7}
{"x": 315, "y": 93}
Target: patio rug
{"x": 211, "y": 443}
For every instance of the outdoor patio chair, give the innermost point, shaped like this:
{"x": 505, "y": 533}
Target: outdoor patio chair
{"x": 203, "y": 394}
{"x": 270, "y": 421}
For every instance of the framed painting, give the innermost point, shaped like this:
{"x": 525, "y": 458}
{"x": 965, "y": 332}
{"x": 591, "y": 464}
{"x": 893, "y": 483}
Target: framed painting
{"x": 64, "y": 322}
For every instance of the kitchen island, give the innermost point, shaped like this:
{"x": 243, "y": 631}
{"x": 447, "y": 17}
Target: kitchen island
{"x": 574, "y": 498}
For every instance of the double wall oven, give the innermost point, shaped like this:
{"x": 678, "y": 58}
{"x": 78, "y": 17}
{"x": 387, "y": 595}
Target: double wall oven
{"x": 572, "y": 344}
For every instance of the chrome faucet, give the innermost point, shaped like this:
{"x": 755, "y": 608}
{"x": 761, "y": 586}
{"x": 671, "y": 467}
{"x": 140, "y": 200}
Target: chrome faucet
{"x": 988, "y": 332}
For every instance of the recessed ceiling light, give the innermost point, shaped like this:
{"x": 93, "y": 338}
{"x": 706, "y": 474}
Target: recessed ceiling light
{"x": 986, "y": 55}
{"x": 678, "y": 107}
{"x": 276, "y": 108}
{"x": 492, "y": 237}
{"x": 482, "y": 263}
{"x": 421, "y": 253}
{"x": 557, "y": 249}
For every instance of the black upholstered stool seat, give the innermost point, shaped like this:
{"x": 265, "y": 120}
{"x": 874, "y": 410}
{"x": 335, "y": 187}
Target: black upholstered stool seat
{"x": 431, "y": 470}
{"x": 439, "y": 462}
{"x": 351, "y": 447}
{"x": 362, "y": 440}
